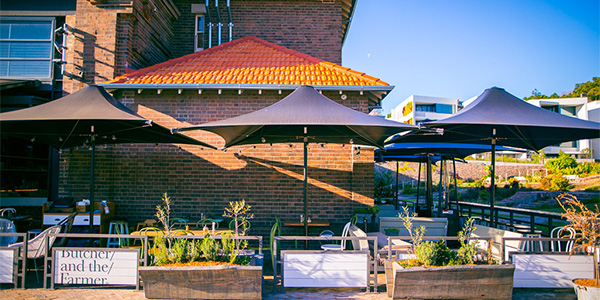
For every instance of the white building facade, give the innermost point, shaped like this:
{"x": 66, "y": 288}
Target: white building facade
{"x": 418, "y": 108}
{"x": 577, "y": 108}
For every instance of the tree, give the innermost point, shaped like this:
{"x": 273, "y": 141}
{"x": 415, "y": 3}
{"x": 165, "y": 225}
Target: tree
{"x": 590, "y": 88}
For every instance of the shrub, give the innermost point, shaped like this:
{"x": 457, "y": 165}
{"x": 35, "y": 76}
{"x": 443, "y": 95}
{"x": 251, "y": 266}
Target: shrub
{"x": 470, "y": 194}
{"x": 555, "y": 182}
{"x": 563, "y": 162}
{"x": 437, "y": 253}
{"x": 426, "y": 253}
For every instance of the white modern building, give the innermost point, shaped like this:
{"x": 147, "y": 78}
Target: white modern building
{"x": 418, "y": 108}
{"x": 572, "y": 107}
{"x": 594, "y": 115}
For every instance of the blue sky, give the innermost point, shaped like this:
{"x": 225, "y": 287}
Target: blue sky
{"x": 457, "y": 49}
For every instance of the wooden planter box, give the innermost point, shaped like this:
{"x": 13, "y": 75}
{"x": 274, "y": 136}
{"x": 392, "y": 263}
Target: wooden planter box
{"x": 214, "y": 282}
{"x": 453, "y": 282}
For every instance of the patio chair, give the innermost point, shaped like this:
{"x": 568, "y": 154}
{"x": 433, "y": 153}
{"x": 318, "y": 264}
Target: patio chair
{"x": 7, "y": 226}
{"x": 275, "y": 231}
{"x": 342, "y": 245}
{"x": 146, "y": 223}
{"x": 179, "y": 222}
{"x": 36, "y": 247}
{"x": 560, "y": 232}
{"x": 362, "y": 245}
{"x": 66, "y": 225}
{"x": 202, "y": 223}
{"x": 8, "y": 212}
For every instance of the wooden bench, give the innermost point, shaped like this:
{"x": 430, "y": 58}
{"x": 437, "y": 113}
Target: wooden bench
{"x": 433, "y": 226}
{"x": 496, "y": 235}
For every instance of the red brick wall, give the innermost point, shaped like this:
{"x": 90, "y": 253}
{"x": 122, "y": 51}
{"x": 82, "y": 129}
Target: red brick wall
{"x": 307, "y": 26}
{"x": 202, "y": 180}
{"x": 110, "y": 36}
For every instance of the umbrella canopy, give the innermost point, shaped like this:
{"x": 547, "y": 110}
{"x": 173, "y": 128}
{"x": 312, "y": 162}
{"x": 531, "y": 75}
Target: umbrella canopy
{"x": 89, "y": 116}
{"x": 284, "y": 122}
{"x": 497, "y": 117}
{"x": 516, "y": 122}
{"x": 456, "y": 150}
{"x": 305, "y": 116}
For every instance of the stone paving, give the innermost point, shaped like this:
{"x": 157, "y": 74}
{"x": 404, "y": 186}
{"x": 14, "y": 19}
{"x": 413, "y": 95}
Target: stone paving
{"x": 329, "y": 294}
{"x": 127, "y": 293}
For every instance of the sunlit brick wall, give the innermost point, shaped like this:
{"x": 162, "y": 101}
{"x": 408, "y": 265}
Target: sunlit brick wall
{"x": 308, "y": 26}
{"x": 201, "y": 180}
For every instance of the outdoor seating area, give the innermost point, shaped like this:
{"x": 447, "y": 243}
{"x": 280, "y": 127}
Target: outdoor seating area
{"x": 299, "y": 149}
{"x": 316, "y": 261}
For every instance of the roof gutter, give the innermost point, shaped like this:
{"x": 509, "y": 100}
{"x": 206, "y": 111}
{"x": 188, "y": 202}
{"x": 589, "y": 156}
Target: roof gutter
{"x": 128, "y": 86}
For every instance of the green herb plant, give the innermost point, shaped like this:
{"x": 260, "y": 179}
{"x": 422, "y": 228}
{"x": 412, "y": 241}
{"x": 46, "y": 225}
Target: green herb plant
{"x": 170, "y": 248}
{"x": 429, "y": 253}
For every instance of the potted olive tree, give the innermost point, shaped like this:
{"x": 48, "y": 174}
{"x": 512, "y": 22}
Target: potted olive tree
{"x": 436, "y": 272}
{"x": 201, "y": 268}
{"x": 587, "y": 225}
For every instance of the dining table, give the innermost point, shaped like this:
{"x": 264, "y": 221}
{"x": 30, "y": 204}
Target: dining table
{"x": 196, "y": 232}
{"x": 311, "y": 223}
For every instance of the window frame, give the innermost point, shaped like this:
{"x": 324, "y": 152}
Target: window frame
{"x": 51, "y": 40}
{"x": 197, "y": 33}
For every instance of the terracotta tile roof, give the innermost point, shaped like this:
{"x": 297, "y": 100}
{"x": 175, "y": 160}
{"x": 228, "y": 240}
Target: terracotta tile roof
{"x": 249, "y": 60}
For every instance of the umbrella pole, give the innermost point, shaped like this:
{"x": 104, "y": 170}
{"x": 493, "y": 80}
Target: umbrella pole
{"x": 429, "y": 195}
{"x": 305, "y": 184}
{"x": 418, "y": 187}
{"x": 396, "y": 202}
{"x": 92, "y": 186}
{"x": 493, "y": 180}
{"x": 455, "y": 181}
{"x": 441, "y": 186}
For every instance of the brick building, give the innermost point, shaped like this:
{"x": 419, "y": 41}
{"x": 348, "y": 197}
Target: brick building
{"x": 166, "y": 60}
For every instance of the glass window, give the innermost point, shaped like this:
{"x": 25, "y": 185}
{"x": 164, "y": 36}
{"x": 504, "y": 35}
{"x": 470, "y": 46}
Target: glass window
{"x": 426, "y": 107}
{"x": 199, "y": 33}
{"x": 553, "y": 108}
{"x": 568, "y": 111}
{"x": 26, "y": 49}
{"x": 443, "y": 108}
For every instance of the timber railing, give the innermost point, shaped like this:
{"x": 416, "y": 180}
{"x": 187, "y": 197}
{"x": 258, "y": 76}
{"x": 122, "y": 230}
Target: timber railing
{"x": 518, "y": 218}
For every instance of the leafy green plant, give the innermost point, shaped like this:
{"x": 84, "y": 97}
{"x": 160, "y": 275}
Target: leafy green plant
{"x": 467, "y": 250}
{"x": 383, "y": 180}
{"x": 210, "y": 248}
{"x": 430, "y": 253}
{"x": 563, "y": 161}
{"x": 426, "y": 253}
{"x": 391, "y": 231}
{"x": 371, "y": 210}
{"x": 416, "y": 234}
{"x": 168, "y": 248}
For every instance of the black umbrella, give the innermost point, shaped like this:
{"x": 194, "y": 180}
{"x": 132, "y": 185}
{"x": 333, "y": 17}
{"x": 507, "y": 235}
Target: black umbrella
{"x": 90, "y": 116}
{"x": 304, "y": 116}
{"x": 498, "y": 118}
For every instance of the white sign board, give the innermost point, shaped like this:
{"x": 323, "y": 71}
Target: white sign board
{"x": 325, "y": 269}
{"x": 95, "y": 266}
{"x": 7, "y": 262}
{"x": 550, "y": 270}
